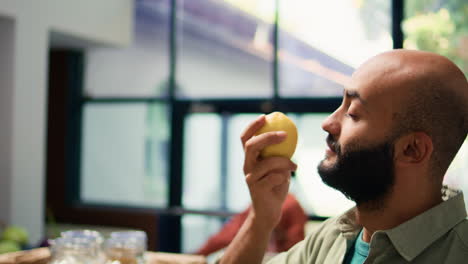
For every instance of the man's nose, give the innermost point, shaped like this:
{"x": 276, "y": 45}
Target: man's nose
{"x": 331, "y": 124}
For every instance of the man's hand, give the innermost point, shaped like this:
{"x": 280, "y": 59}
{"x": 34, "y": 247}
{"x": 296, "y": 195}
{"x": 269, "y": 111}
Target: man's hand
{"x": 267, "y": 179}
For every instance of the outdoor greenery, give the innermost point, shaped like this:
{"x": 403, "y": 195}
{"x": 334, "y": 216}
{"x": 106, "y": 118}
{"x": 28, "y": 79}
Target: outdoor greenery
{"x": 439, "y": 26}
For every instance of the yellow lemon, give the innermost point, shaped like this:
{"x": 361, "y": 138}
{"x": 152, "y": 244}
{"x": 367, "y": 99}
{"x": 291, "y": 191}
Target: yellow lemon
{"x": 278, "y": 121}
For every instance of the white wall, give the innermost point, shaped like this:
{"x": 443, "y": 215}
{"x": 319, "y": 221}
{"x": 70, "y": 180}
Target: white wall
{"x": 24, "y": 46}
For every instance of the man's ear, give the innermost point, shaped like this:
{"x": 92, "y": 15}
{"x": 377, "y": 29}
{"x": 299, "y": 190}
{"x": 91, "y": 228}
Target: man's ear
{"x": 413, "y": 149}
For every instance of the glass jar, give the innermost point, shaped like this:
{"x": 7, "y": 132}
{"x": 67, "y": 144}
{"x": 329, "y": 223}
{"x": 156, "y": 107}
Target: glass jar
{"x": 92, "y": 235}
{"x": 69, "y": 250}
{"x": 126, "y": 247}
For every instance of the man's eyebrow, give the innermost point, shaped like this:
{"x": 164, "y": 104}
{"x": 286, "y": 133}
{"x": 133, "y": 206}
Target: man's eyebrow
{"x": 352, "y": 94}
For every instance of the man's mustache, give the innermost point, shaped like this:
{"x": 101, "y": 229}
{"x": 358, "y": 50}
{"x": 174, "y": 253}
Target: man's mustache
{"x": 333, "y": 144}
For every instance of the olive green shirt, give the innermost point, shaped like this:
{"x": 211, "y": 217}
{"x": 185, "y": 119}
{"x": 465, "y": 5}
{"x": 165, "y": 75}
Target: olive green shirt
{"x": 439, "y": 235}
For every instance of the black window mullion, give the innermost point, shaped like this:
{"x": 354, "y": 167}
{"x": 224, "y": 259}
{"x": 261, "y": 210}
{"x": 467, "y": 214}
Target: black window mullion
{"x": 397, "y": 18}
{"x": 74, "y": 125}
{"x": 170, "y": 227}
{"x": 177, "y": 117}
{"x": 171, "y": 224}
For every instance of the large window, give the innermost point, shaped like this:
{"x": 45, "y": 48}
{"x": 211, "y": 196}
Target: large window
{"x": 161, "y": 119}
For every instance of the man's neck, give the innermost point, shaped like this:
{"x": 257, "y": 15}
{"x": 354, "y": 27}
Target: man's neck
{"x": 394, "y": 210}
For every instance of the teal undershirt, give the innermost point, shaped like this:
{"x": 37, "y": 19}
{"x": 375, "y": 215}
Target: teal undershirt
{"x": 358, "y": 252}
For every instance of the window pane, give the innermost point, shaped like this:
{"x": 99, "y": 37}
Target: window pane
{"x": 124, "y": 155}
{"x": 440, "y": 27}
{"x": 456, "y": 174}
{"x": 238, "y": 197}
{"x": 315, "y": 197}
{"x": 196, "y": 230}
{"x": 140, "y": 69}
{"x": 224, "y": 48}
{"x": 322, "y": 42}
{"x": 202, "y": 162}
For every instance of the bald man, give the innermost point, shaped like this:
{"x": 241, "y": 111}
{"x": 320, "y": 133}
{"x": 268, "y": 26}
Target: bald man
{"x": 403, "y": 118}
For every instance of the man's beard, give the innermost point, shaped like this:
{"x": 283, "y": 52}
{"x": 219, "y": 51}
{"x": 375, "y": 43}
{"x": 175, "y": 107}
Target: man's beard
{"x": 363, "y": 174}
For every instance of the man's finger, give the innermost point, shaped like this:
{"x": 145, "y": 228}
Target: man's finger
{"x": 252, "y": 128}
{"x": 255, "y": 144}
{"x": 270, "y": 165}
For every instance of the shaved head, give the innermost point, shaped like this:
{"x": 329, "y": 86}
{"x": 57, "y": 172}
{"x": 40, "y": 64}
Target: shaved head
{"x": 433, "y": 95}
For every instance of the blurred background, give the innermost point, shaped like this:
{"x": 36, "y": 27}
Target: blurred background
{"x": 127, "y": 113}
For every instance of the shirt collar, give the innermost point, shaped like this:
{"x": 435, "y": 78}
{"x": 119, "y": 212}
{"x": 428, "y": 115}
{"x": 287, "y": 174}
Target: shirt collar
{"x": 348, "y": 226}
{"x": 416, "y": 234}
